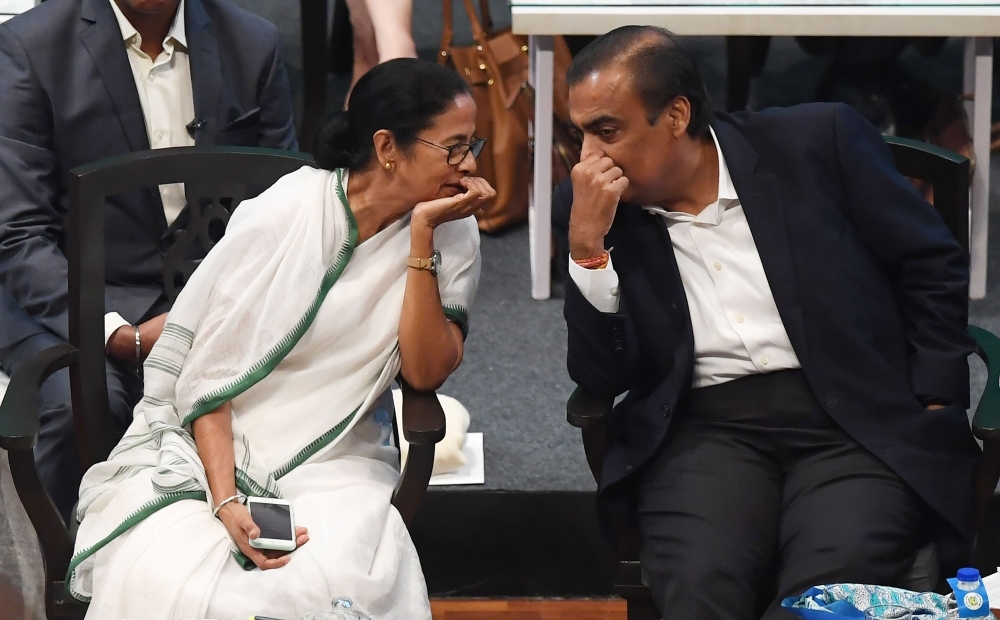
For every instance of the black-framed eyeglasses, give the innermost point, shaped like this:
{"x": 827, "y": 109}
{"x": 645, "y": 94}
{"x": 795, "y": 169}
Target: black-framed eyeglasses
{"x": 457, "y": 152}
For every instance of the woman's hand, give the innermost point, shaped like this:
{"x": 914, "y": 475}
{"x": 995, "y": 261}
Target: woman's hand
{"x": 436, "y": 212}
{"x": 242, "y": 529}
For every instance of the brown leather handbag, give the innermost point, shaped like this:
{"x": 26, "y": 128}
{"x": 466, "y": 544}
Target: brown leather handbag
{"x": 496, "y": 68}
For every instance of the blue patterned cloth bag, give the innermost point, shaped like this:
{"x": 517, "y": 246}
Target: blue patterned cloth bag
{"x": 850, "y": 600}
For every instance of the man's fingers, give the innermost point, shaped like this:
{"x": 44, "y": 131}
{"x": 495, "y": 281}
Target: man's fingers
{"x": 612, "y": 174}
{"x": 620, "y": 185}
{"x": 602, "y": 164}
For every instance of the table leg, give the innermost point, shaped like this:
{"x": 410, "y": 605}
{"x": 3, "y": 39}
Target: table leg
{"x": 540, "y": 211}
{"x": 979, "y": 79}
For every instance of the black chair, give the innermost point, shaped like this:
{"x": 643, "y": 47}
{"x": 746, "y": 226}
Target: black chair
{"x": 217, "y": 179}
{"x": 948, "y": 174}
{"x": 314, "y": 21}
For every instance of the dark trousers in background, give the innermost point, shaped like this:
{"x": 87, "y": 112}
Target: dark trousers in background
{"x": 758, "y": 495}
{"x": 56, "y": 454}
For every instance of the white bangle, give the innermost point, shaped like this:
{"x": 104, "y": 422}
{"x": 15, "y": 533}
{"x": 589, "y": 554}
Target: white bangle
{"x": 239, "y": 497}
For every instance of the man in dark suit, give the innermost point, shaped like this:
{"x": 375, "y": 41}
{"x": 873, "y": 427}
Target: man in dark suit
{"x": 82, "y": 80}
{"x": 787, "y": 316}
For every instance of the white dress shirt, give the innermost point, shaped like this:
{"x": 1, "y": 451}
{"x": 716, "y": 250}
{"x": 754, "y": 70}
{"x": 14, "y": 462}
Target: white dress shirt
{"x": 737, "y": 329}
{"x": 167, "y": 99}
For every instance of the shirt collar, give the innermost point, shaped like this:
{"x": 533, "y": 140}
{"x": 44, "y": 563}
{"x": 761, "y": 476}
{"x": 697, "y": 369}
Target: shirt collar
{"x": 176, "y": 32}
{"x": 712, "y": 214}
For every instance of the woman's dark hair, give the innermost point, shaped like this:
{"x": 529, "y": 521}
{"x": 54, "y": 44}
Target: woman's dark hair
{"x": 403, "y": 96}
{"x": 661, "y": 70}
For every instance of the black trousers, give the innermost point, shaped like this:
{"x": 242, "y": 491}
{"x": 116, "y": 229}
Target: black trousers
{"x": 56, "y": 456}
{"x": 758, "y": 495}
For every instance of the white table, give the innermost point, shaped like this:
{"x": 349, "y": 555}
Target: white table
{"x": 10, "y": 8}
{"x": 975, "y": 20}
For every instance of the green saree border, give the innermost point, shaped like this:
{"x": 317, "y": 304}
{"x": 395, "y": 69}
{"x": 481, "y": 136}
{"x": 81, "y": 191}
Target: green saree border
{"x": 144, "y": 511}
{"x": 262, "y": 368}
{"x": 317, "y": 444}
{"x": 459, "y": 315}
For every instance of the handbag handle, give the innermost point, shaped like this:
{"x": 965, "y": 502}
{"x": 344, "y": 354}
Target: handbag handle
{"x": 482, "y": 27}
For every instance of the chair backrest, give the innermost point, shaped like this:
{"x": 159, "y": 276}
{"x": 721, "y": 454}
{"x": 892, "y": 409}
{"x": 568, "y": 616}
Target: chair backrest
{"x": 946, "y": 171}
{"x": 216, "y": 180}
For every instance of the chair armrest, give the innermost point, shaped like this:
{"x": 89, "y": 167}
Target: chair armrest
{"x": 423, "y": 427}
{"x": 586, "y": 411}
{"x": 19, "y": 409}
{"x": 986, "y": 422}
{"x": 423, "y": 416}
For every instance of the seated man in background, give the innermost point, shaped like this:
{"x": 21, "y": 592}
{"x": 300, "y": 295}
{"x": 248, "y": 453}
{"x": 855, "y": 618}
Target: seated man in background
{"x": 787, "y": 316}
{"x": 87, "y": 79}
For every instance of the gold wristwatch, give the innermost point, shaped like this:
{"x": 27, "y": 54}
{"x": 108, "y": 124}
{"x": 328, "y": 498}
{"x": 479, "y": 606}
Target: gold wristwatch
{"x": 432, "y": 264}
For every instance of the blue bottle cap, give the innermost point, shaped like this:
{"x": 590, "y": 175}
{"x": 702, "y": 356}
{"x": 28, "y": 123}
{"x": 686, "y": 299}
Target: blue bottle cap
{"x": 968, "y": 574}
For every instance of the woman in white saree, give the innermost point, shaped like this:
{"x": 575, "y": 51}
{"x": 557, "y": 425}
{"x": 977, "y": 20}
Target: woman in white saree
{"x": 271, "y": 376}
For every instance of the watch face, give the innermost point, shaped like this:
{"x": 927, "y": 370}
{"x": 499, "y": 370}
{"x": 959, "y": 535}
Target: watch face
{"x": 435, "y": 262}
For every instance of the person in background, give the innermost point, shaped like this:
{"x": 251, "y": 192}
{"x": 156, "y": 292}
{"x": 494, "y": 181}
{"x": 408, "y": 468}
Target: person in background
{"x": 787, "y": 318}
{"x": 83, "y": 80}
{"x": 383, "y": 30}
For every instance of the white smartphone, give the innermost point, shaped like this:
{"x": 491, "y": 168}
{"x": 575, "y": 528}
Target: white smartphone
{"x": 276, "y": 521}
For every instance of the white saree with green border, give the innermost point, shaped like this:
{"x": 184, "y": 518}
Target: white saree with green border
{"x": 296, "y": 325}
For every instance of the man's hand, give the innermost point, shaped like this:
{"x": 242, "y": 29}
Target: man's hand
{"x": 598, "y": 185}
{"x": 121, "y": 346}
{"x": 242, "y": 529}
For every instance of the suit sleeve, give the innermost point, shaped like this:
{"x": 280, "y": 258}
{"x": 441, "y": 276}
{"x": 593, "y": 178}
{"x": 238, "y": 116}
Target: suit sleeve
{"x": 597, "y": 352}
{"x": 277, "y": 125}
{"x": 32, "y": 267}
{"x": 910, "y": 241}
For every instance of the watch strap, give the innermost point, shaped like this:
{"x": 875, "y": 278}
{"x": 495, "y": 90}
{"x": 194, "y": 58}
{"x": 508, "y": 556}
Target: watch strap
{"x": 423, "y": 264}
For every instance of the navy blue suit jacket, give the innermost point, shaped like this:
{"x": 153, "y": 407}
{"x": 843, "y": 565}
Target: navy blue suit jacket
{"x": 870, "y": 285}
{"x": 68, "y": 98}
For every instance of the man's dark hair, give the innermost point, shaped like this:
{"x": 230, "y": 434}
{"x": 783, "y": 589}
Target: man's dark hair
{"x": 660, "y": 68}
{"x": 403, "y": 95}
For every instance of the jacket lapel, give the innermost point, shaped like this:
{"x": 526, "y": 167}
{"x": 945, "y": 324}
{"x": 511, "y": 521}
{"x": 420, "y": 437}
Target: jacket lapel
{"x": 761, "y": 200}
{"x": 103, "y": 41}
{"x": 206, "y": 71}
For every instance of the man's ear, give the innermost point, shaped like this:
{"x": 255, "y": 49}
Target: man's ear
{"x": 678, "y": 113}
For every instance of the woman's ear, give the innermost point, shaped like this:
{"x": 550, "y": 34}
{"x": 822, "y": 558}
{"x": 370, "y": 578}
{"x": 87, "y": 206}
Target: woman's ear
{"x": 385, "y": 148}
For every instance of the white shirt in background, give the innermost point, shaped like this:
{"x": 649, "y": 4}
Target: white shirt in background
{"x": 737, "y": 329}
{"x": 167, "y": 99}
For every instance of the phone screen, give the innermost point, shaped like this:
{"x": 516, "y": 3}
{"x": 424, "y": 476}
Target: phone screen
{"x": 274, "y": 520}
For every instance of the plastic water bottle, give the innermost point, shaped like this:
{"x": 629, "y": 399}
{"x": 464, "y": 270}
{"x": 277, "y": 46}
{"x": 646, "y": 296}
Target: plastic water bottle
{"x": 970, "y": 595}
{"x": 342, "y": 609}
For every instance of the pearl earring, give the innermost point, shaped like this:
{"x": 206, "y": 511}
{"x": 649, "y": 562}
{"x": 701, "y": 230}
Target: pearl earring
{"x": 388, "y": 165}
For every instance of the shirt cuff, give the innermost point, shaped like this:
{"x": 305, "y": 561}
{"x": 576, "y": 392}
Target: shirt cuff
{"x": 599, "y": 286}
{"x": 112, "y": 321}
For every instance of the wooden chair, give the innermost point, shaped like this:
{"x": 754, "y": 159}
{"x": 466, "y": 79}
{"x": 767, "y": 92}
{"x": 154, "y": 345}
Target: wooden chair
{"x": 948, "y": 174}
{"x": 217, "y": 179}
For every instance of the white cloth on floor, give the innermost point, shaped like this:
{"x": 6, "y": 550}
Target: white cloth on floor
{"x": 449, "y": 453}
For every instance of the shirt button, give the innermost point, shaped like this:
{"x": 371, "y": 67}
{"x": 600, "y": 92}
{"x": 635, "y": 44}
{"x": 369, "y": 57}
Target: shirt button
{"x": 666, "y": 411}
{"x": 628, "y": 468}
{"x": 765, "y": 360}
{"x": 159, "y": 134}
{"x": 739, "y": 318}
{"x": 718, "y": 266}
{"x": 614, "y": 290}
